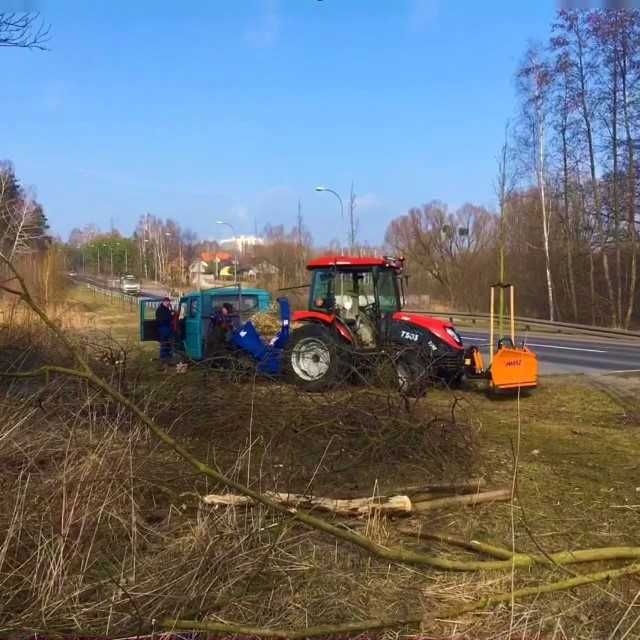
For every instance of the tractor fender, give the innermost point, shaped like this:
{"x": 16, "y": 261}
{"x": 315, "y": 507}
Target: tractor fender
{"x": 435, "y": 326}
{"x": 330, "y": 320}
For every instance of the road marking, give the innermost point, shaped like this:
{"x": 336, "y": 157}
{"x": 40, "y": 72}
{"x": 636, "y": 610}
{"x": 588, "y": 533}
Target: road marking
{"x": 541, "y": 346}
{"x": 625, "y": 371}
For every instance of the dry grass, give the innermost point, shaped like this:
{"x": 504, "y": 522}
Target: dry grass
{"x": 101, "y": 530}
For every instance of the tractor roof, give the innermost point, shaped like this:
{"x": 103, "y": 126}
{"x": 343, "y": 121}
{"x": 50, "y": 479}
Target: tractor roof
{"x": 348, "y": 261}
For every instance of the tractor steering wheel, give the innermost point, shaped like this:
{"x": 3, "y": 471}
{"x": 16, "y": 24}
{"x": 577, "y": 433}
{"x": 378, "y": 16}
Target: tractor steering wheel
{"x": 369, "y": 310}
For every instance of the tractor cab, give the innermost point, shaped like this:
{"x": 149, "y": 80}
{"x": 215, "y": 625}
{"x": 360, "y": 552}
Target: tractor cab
{"x": 193, "y": 311}
{"x": 360, "y": 294}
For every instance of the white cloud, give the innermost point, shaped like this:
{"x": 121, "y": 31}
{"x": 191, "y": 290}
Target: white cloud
{"x": 368, "y": 202}
{"x": 264, "y": 30}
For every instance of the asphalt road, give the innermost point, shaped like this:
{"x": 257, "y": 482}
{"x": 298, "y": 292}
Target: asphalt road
{"x": 571, "y": 354}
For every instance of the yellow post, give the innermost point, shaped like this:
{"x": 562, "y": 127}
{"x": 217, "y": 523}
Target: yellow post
{"x": 513, "y": 318}
{"x": 501, "y": 313}
{"x": 491, "y": 325}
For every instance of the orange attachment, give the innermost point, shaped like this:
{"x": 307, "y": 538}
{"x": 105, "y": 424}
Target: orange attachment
{"x": 514, "y": 367}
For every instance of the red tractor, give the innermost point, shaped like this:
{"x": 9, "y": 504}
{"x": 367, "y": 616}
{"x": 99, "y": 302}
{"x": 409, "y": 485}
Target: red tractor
{"x": 355, "y": 318}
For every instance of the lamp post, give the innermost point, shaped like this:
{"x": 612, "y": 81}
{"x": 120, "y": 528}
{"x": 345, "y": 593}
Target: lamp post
{"x": 235, "y": 248}
{"x": 337, "y": 195}
{"x": 104, "y": 244}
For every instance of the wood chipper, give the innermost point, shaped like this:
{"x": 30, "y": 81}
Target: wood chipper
{"x": 510, "y": 367}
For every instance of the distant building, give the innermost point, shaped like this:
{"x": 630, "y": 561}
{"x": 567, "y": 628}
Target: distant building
{"x": 211, "y": 257}
{"x": 241, "y": 244}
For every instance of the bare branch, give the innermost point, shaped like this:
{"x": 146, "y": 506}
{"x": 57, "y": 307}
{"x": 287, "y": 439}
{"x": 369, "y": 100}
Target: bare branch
{"x": 23, "y": 30}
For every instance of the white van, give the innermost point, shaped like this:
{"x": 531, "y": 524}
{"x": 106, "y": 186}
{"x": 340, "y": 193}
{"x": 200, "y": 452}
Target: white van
{"x": 129, "y": 284}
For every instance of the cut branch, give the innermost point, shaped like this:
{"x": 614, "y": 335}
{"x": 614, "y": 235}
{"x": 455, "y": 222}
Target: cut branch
{"x": 354, "y": 506}
{"x": 469, "y": 500}
{"x": 378, "y": 624}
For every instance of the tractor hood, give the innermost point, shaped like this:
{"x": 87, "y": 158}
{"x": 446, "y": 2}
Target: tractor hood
{"x": 441, "y": 329}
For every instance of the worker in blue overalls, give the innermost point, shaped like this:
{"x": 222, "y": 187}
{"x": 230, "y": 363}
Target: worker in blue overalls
{"x": 164, "y": 320}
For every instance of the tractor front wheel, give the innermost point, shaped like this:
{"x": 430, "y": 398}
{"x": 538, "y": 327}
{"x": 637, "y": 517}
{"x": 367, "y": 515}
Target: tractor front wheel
{"x": 312, "y": 358}
{"x": 412, "y": 374}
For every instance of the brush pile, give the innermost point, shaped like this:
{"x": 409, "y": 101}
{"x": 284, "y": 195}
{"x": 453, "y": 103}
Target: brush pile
{"x": 104, "y": 530}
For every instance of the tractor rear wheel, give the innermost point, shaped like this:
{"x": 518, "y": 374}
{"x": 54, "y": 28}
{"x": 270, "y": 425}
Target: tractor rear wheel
{"x": 312, "y": 358}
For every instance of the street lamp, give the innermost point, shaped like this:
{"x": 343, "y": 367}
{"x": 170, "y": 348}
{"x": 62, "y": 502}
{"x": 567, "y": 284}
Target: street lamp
{"x": 235, "y": 246}
{"x": 104, "y": 244}
{"x": 119, "y": 260}
{"x": 337, "y": 195}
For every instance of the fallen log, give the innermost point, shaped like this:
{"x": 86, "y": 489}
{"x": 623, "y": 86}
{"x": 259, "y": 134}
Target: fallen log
{"x": 359, "y": 506}
{"x": 400, "y": 504}
{"x": 468, "y": 486}
{"x": 469, "y": 500}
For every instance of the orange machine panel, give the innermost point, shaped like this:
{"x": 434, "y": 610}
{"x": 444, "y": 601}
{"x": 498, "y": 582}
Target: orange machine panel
{"x": 513, "y": 368}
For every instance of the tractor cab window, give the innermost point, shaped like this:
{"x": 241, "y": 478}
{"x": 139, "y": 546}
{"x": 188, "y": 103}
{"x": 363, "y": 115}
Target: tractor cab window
{"x": 322, "y": 291}
{"x": 245, "y": 304}
{"x": 387, "y": 291}
{"x": 355, "y": 293}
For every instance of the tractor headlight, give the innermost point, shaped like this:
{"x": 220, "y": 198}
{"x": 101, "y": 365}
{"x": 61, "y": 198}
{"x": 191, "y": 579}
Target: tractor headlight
{"x": 453, "y": 334}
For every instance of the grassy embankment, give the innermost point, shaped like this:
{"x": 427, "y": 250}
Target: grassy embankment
{"x": 105, "y": 530}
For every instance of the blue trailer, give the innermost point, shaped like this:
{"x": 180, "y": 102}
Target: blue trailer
{"x": 193, "y": 313}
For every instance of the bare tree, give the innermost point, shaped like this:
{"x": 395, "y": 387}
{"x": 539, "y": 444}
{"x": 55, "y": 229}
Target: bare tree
{"x": 23, "y": 30}
{"x": 535, "y": 79}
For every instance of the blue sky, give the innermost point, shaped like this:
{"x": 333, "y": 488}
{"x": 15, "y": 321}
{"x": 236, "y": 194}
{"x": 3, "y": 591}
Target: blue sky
{"x": 234, "y": 109}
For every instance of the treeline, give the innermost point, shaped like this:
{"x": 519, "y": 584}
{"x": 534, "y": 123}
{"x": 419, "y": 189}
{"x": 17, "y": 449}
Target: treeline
{"x": 158, "y": 249}
{"x": 25, "y": 238}
{"x": 567, "y": 185}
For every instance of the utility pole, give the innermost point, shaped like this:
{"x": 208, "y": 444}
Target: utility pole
{"x": 301, "y": 257}
{"x": 502, "y": 196}
{"x": 352, "y": 219}
{"x": 144, "y": 246}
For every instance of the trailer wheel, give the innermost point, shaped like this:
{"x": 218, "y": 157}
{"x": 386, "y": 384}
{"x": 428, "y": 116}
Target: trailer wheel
{"x": 312, "y": 358}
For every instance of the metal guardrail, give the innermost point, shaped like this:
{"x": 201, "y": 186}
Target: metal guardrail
{"x": 560, "y": 327}
{"x": 133, "y": 302}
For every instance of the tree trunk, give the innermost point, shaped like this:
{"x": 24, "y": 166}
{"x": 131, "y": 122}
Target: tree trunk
{"x": 545, "y": 222}
{"x": 614, "y": 194}
{"x": 592, "y": 168}
{"x": 631, "y": 198}
{"x": 592, "y": 286}
{"x": 567, "y": 225}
